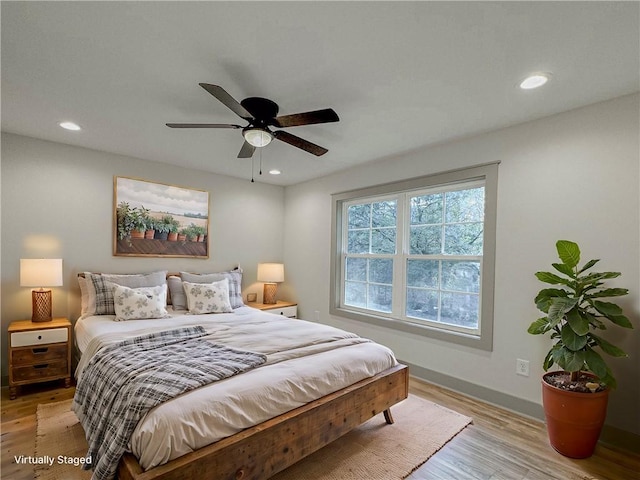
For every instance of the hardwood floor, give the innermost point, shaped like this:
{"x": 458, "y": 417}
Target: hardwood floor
{"x": 499, "y": 445}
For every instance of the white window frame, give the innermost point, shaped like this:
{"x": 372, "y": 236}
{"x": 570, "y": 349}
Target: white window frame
{"x": 481, "y": 338}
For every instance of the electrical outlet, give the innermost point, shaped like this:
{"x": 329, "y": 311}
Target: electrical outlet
{"x": 522, "y": 367}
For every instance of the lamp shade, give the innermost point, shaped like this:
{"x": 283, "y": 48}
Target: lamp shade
{"x": 40, "y": 272}
{"x": 271, "y": 272}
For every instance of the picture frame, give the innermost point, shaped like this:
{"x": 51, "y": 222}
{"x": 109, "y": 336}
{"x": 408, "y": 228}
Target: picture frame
{"x": 152, "y": 219}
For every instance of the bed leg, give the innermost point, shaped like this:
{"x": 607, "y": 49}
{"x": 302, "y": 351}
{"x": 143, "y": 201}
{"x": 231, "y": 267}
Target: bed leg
{"x": 387, "y": 416}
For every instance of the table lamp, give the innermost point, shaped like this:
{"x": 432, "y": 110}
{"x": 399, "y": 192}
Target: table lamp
{"x": 271, "y": 274}
{"x": 41, "y": 272}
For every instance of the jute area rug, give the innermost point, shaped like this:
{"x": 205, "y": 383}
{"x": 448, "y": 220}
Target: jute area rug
{"x": 373, "y": 451}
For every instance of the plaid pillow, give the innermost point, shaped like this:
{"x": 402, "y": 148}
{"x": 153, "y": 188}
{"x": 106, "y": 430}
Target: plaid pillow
{"x": 104, "y": 295}
{"x": 98, "y": 297}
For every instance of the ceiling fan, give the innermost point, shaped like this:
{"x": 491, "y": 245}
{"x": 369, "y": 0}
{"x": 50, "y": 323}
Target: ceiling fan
{"x": 261, "y": 114}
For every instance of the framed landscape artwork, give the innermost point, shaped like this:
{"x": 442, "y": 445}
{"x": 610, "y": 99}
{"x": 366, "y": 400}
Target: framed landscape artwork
{"x": 159, "y": 220}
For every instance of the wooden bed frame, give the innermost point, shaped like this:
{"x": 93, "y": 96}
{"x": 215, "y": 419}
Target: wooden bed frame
{"x": 260, "y": 452}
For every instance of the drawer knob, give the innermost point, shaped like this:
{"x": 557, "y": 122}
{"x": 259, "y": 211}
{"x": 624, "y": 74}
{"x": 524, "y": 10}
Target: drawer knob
{"x": 39, "y": 337}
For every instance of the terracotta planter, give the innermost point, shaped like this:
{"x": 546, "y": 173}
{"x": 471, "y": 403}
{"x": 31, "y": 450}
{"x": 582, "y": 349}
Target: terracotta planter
{"x": 136, "y": 234}
{"x": 172, "y": 237}
{"x": 149, "y": 234}
{"x": 200, "y": 238}
{"x": 182, "y": 237}
{"x": 574, "y": 419}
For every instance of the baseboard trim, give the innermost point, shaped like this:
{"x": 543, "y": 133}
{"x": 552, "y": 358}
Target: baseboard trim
{"x": 612, "y": 436}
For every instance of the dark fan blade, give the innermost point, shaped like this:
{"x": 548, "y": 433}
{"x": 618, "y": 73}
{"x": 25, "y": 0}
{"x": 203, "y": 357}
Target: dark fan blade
{"x": 202, "y": 125}
{"x": 222, "y": 95}
{"x": 247, "y": 150}
{"x": 300, "y": 143}
{"x": 308, "y": 118}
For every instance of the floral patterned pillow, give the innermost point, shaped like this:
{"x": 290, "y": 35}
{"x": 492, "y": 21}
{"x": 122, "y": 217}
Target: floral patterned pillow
{"x": 208, "y": 297}
{"x": 139, "y": 303}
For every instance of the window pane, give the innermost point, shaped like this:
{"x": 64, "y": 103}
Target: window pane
{"x": 459, "y": 309}
{"x": 384, "y": 214}
{"x": 379, "y": 298}
{"x": 358, "y": 241}
{"x": 383, "y": 240}
{"x": 465, "y": 205}
{"x": 357, "y": 269}
{"x": 381, "y": 271}
{"x": 425, "y": 240}
{"x": 426, "y": 209}
{"x": 461, "y": 276}
{"x": 422, "y": 273}
{"x": 463, "y": 239}
{"x": 355, "y": 294}
{"x": 422, "y": 304}
{"x": 359, "y": 216}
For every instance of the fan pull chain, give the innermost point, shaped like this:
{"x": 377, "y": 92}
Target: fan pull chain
{"x": 261, "y": 161}
{"x": 252, "y": 168}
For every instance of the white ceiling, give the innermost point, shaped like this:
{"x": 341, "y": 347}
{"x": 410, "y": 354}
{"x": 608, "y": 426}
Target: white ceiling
{"x": 401, "y": 75}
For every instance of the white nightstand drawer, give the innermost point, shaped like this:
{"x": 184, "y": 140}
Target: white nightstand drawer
{"x": 290, "y": 312}
{"x": 39, "y": 337}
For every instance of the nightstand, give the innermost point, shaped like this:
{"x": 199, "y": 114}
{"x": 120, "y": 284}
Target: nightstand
{"x": 39, "y": 352}
{"x": 288, "y": 309}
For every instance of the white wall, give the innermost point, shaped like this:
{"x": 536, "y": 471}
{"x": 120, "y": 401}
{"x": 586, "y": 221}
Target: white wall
{"x": 572, "y": 176}
{"x": 57, "y": 202}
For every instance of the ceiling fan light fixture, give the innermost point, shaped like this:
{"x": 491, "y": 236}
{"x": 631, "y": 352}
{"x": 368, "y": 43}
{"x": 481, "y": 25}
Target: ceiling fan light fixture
{"x": 257, "y": 137}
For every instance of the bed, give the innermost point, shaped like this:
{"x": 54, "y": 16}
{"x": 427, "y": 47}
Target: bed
{"x": 317, "y": 383}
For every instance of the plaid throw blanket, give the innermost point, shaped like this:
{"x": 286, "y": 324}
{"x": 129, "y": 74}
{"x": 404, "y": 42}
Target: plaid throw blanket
{"x": 124, "y": 381}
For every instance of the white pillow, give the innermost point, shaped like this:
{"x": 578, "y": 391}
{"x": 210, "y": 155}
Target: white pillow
{"x": 139, "y": 303}
{"x": 208, "y": 297}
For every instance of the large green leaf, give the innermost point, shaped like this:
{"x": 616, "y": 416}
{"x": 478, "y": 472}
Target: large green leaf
{"x": 574, "y": 361}
{"x": 607, "y": 308}
{"x": 594, "y": 278}
{"x": 608, "y": 292}
{"x": 571, "y": 340}
{"x": 595, "y": 363}
{"x": 551, "y": 278}
{"x": 608, "y": 348}
{"x": 544, "y": 298}
{"x": 548, "y": 361}
{"x": 594, "y": 321}
{"x": 560, "y": 306}
{"x": 620, "y": 320}
{"x": 569, "y": 252}
{"x": 562, "y": 268}
{"x": 588, "y": 265}
{"x": 578, "y": 323}
{"x": 539, "y": 327}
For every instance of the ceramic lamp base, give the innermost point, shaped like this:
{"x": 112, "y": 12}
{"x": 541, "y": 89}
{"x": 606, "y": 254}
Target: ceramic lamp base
{"x": 269, "y": 293}
{"x": 41, "y": 306}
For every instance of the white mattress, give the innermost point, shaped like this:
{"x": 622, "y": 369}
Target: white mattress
{"x": 305, "y": 361}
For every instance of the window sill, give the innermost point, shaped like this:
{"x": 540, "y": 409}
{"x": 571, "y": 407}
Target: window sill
{"x": 480, "y": 342}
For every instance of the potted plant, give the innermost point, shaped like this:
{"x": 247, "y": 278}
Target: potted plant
{"x": 139, "y": 221}
{"x": 150, "y": 228}
{"x": 124, "y": 220}
{"x": 173, "y": 226}
{"x": 163, "y": 227}
{"x": 575, "y": 398}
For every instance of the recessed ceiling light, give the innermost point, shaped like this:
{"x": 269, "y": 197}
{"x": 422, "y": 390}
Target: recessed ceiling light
{"x": 534, "y": 81}
{"x": 275, "y": 172}
{"x": 70, "y": 126}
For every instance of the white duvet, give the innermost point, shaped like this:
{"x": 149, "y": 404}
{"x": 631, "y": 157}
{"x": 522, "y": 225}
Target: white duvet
{"x": 305, "y": 361}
